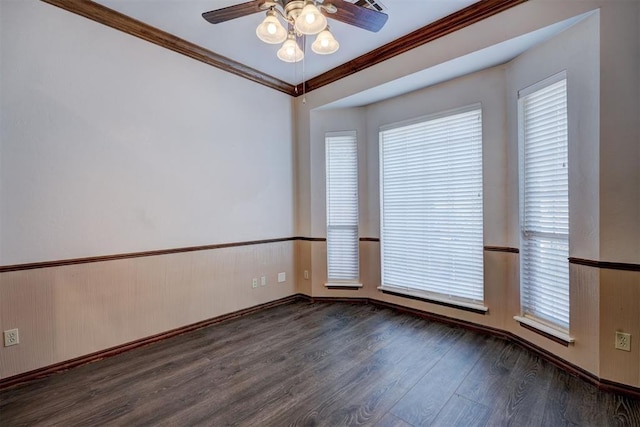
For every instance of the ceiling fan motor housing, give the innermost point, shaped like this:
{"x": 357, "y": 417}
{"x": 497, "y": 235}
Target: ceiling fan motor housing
{"x": 292, "y": 9}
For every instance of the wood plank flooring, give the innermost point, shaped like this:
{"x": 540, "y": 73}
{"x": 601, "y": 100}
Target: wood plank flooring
{"x": 319, "y": 364}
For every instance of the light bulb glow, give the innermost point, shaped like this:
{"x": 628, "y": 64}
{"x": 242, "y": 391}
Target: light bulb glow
{"x": 311, "y": 20}
{"x": 271, "y": 30}
{"x": 290, "y": 51}
{"x": 325, "y": 43}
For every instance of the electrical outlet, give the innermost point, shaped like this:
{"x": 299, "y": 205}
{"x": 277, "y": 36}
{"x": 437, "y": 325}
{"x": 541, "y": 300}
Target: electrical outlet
{"x": 623, "y": 341}
{"x": 263, "y": 280}
{"x": 254, "y": 283}
{"x": 306, "y": 275}
{"x": 11, "y": 337}
{"x": 282, "y": 277}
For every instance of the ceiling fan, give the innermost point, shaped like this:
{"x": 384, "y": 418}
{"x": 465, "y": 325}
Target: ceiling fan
{"x": 303, "y": 17}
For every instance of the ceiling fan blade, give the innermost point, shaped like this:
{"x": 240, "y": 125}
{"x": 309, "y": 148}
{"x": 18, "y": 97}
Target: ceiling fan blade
{"x": 232, "y": 12}
{"x": 359, "y": 16}
{"x": 363, "y": 3}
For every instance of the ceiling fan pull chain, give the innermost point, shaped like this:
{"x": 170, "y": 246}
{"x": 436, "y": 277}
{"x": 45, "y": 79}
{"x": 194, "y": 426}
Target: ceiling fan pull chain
{"x": 304, "y": 83}
{"x": 295, "y": 74}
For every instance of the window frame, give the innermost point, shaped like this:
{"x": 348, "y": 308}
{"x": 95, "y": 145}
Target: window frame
{"x": 438, "y": 298}
{"x": 526, "y": 317}
{"x": 342, "y": 282}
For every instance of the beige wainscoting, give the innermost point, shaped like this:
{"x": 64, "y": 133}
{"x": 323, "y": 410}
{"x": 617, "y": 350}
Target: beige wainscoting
{"x": 619, "y": 311}
{"x": 602, "y": 301}
{"x": 73, "y": 310}
{"x": 70, "y": 311}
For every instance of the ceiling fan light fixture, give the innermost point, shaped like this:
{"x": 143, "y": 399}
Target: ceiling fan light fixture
{"x": 325, "y": 43}
{"x": 271, "y": 30}
{"x": 310, "y": 21}
{"x": 290, "y": 51}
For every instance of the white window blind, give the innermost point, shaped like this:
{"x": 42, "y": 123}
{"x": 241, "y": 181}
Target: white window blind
{"x": 342, "y": 207}
{"x": 544, "y": 198}
{"x": 431, "y": 206}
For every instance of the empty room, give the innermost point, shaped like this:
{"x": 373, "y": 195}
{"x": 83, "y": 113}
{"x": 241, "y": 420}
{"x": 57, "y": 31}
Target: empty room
{"x": 320, "y": 212}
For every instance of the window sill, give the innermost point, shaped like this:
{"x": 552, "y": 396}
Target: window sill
{"x": 545, "y": 331}
{"x": 343, "y": 285}
{"x": 435, "y": 299}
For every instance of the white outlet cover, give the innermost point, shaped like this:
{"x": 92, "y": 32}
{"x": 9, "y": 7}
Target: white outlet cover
{"x": 263, "y": 280}
{"x": 623, "y": 341}
{"x": 254, "y": 283}
{"x": 282, "y": 277}
{"x": 11, "y": 337}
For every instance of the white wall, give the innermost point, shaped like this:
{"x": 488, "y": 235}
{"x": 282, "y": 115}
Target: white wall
{"x": 620, "y": 132}
{"x": 111, "y": 144}
{"x": 577, "y": 52}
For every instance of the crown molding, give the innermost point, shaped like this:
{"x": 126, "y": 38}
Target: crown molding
{"x": 476, "y": 12}
{"x": 111, "y": 18}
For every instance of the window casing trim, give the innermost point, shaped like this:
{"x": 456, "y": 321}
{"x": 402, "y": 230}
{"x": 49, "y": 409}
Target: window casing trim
{"x": 433, "y": 116}
{"x": 333, "y": 282}
{"x": 562, "y": 75}
{"x": 436, "y": 298}
{"x": 546, "y": 327}
{"x": 472, "y": 304}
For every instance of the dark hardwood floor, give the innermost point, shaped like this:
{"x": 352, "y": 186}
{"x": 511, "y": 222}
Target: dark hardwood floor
{"x": 315, "y": 364}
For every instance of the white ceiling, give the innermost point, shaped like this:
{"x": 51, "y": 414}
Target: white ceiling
{"x": 237, "y": 40}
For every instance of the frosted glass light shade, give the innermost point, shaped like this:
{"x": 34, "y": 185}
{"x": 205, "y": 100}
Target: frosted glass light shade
{"x": 311, "y": 20}
{"x": 271, "y": 30}
{"x": 290, "y": 51}
{"x": 325, "y": 43}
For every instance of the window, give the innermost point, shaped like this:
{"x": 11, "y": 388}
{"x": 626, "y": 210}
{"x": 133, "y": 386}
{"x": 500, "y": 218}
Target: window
{"x": 431, "y": 208}
{"x": 342, "y": 207}
{"x": 544, "y": 203}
